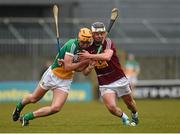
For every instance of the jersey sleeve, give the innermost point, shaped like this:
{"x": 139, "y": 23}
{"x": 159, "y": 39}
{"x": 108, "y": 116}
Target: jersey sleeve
{"x": 110, "y": 44}
{"x": 70, "y": 48}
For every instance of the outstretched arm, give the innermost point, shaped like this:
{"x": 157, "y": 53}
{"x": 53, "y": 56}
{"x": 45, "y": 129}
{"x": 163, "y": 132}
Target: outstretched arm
{"x": 106, "y": 55}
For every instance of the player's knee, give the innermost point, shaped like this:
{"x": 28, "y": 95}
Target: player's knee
{"x": 33, "y": 99}
{"x": 55, "y": 109}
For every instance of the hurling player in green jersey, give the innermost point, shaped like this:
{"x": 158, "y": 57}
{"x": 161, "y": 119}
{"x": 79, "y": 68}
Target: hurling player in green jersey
{"x": 57, "y": 78}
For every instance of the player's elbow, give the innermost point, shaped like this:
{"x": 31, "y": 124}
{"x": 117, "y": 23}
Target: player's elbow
{"x": 68, "y": 68}
{"x": 107, "y": 58}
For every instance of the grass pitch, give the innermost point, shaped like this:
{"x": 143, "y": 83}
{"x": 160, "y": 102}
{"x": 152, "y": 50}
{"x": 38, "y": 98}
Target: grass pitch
{"x": 156, "y": 116}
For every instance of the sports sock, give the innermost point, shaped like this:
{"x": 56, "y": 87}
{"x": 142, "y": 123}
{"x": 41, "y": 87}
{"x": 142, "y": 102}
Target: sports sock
{"x": 135, "y": 115}
{"x": 124, "y": 116}
{"x": 19, "y": 106}
{"x": 29, "y": 116}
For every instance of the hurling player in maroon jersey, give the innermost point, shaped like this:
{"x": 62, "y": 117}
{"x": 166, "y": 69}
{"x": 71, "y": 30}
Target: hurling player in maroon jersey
{"x": 111, "y": 78}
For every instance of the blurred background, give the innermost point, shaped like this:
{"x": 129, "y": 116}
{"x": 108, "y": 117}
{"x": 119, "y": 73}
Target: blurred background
{"x": 148, "y": 29}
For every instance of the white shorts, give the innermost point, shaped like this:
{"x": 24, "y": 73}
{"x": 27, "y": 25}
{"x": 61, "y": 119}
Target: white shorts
{"x": 121, "y": 87}
{"x": 132, "y": 79}
{"x": 49, "y": 82}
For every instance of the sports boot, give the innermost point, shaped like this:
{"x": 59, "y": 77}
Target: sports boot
{"x": 135, "y": 121}
{"x": 24, "y": 121}
{"x": 126, "y": 122}
{"x": 16, "y": 114}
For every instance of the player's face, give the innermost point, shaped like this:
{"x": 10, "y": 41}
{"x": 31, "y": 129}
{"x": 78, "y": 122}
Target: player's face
{"x": 85, "y": 44}
{"x": 98, "y": 36}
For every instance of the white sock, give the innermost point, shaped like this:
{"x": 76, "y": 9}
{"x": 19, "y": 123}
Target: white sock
{"x": 124, "y": 116}
{"x": 135, "y": 115}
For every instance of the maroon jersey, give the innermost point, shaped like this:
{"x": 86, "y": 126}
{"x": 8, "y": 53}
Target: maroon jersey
{"x": 107, "y": 71}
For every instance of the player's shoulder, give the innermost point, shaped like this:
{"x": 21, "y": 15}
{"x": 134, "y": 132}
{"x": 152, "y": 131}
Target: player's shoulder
{"x": 71, "y": 41}
{"x": 71, "y": 46}
{"x": 109, "y": 41}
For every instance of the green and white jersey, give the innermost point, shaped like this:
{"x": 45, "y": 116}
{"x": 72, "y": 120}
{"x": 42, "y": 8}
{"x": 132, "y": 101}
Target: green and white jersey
{"x": 132, "y": 68}
{"x": 70, "y": 48}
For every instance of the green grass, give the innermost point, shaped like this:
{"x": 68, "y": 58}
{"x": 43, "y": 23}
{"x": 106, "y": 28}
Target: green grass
{"x": 156, "y": 116}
